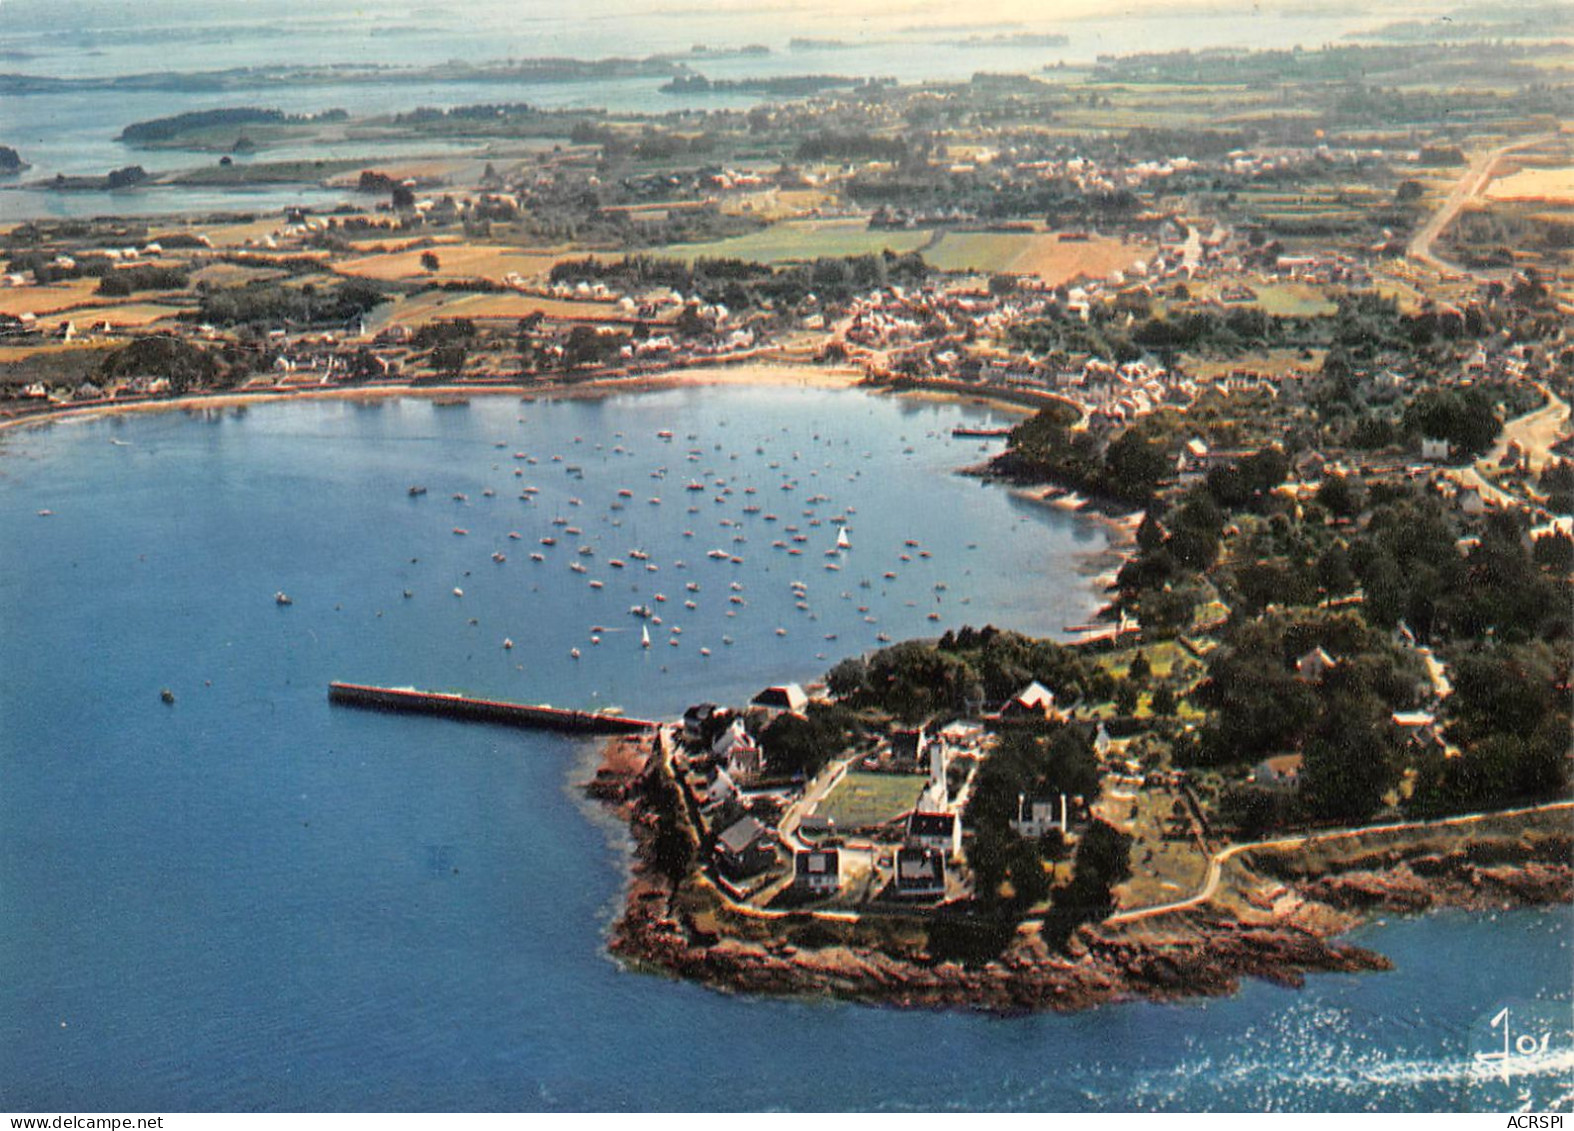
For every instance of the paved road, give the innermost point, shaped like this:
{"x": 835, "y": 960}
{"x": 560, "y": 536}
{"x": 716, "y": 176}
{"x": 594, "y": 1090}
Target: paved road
{"x": 1535, "y": 432}
{"x": 1471, "y": 185}
{"x": 1210, "y": 885}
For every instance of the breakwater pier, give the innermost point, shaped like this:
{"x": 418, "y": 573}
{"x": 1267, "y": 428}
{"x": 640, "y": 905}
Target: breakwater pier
{"x": 540, "y": 717}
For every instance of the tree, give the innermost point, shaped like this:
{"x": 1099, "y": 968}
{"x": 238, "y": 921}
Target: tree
{"x": 1465, "y": 418}
{"x": 1554, "y": 552}
{"x": 1350, "y": 762}
{"x": 1102, "y": 860}
{"x": 1333, "y": 571}
{"x": 1136, "y": 465}
{"x": 1557, "y": 482}
{"x": 797, "y": 744}
{"x": 1008, "y": 871}
{"x": 430, "y": 262}
{"x": 1341, "y": 495}
{"x": 186, "y": 365}
{"x": 449, "y": 358}
{"x": 848, "y": 679}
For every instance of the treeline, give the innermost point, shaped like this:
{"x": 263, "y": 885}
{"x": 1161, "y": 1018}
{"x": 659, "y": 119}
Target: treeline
{"x": 831, "y": 145}
{"x": 273, "y": 305}
{"x": 143, "y": 277}
{"x": 916, "y": 680}
{"x": 167, "y": 129}
{"x": 1130, "y": 468}
{"x": 743, "y": 285}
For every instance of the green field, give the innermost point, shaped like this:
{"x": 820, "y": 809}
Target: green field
{"x": 861, "y": 799}
{"x": 801, "y": 240}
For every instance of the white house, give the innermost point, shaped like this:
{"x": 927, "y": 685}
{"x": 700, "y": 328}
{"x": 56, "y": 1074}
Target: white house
{"x": 817, "y": 871}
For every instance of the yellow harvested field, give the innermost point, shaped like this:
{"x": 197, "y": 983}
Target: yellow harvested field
{"x": 234, "y": 274}
{"x": 431, "y": 306}
{"x": 776, "y": 204}
{"x": 1551, "y": 185}
{"x": 236, "y": 235}
{"x": 455, "y": 261}
{"x": 1043, "y": 254}
{"x": 47, "y": 299}
{"x": 128, "y": 314}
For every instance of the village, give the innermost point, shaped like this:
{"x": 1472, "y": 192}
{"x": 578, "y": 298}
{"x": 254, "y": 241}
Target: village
{"x": 1312, "y": 374}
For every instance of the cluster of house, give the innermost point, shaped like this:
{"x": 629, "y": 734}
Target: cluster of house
{"x": 763, "y": 832}
{"x": 1417, "y": 731}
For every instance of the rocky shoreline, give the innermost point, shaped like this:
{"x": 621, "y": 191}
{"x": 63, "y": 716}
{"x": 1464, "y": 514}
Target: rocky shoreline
{"x": 685, "y": 929}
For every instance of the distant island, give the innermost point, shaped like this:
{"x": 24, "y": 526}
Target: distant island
{"x": 1012, "y": 39}
{"x": 542, "y": 70}
{"x": 781, "y": 86}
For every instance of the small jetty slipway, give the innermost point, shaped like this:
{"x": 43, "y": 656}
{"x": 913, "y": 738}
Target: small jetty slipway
{"x": 484, "y": 710}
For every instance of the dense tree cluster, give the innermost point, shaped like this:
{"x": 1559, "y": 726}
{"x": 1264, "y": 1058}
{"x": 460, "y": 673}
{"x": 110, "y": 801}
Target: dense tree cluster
{"x": 186, "y": 365}
{"x": 272, "y": 304}
{"x": 915, "y": 680}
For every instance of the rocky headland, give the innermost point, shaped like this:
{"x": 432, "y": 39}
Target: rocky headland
{"x": 684, "y": 927}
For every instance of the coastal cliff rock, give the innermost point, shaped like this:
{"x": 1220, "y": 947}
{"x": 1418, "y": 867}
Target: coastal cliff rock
{"x": 1446, "y": 881}
{"x": 1205, "y": 952}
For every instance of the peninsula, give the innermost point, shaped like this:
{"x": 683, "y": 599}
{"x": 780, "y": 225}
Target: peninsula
{"x": 1304, "y": 342}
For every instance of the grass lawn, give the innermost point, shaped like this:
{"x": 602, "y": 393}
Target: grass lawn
{"x": 1162, "y": 657}
{"x": 861, "y": 799}
{"x": 1162, "y": 870}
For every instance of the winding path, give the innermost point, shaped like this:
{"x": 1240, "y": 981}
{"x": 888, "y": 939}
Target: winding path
{"x": 1216, "y": 863}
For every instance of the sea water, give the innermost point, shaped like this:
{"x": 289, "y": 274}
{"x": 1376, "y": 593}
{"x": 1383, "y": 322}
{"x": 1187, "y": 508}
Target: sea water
{"x": 249, "y": 899}
{"x": 73, "y": 131}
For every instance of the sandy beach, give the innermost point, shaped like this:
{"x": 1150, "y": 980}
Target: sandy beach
{"x": 753, "y": 373}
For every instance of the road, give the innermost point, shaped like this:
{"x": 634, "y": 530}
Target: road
{"x": 1535, "y": 432}
{"x": 1210, "y": 884}
{"x": 1471, "y": 185}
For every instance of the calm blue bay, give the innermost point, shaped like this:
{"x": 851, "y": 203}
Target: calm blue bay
{"x": 251, "y": 900}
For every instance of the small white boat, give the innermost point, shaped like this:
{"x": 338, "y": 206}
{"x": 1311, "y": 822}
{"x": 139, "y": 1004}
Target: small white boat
{"x": 282, "y": 598}
{"x": 644, "y": 637}
{"x": 842, "y": 541}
